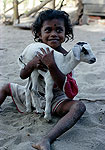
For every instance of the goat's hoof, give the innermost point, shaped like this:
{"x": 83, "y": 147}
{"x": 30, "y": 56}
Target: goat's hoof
{"x": 39, "y": 111}
{"x": 28, "y": 110}
{"x": 47, "y": 117}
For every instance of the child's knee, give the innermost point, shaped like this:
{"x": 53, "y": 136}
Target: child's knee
{"x": 81, "y": 106}
{"x": 6, "y": 89}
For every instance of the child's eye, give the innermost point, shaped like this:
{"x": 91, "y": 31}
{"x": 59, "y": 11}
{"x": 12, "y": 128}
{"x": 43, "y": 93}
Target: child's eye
{"x": 48, "y": 29}
{"x": 59, "y": 30}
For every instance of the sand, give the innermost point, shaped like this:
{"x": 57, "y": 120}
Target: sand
{"x": 18, "y": 131}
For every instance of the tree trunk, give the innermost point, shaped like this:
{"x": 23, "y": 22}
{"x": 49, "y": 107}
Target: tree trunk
{"x": 15, "y": 13}
{"x": 80, "y": 11}
{"x": 61, "y": 5}
{"x": 53, "y": 4}
{"x": 33, "y": 10}
{"x": 5, "y": 11}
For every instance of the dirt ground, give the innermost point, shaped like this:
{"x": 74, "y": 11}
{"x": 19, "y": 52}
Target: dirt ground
{"x": 18, "y": 131}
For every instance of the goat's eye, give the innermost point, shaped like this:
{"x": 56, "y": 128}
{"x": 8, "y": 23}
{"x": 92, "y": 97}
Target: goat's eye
{"x": 85, "y": 51}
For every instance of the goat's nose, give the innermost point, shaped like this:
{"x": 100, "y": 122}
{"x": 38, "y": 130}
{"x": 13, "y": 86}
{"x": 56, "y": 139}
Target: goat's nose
{"x": 93, "y": 60}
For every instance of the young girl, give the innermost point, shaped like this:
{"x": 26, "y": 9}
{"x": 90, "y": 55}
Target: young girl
{"x": 51, "y": 27}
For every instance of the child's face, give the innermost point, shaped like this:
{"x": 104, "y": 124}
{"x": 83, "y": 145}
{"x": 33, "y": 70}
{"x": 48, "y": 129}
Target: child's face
{"x": 53, "y": 32}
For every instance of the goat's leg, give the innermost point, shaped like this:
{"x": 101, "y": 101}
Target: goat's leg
{"x": 36, "y": 102}
{"x": 34, "y": 92}
{"x": 28, "y": 101}
{"x": 28, "y": 97}
{"x": 49, "y": 97}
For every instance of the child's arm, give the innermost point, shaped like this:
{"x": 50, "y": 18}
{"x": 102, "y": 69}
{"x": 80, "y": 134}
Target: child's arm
{"x": 65, "y": 83}
{"x": 28, "y": 69}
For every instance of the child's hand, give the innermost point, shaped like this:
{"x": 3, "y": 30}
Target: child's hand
{"x": 47, "y": 57}
{"x": 33, "y": 64}
{"x": 38, "y": 64}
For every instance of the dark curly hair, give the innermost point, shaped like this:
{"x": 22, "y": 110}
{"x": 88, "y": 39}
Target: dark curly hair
{"x": 49, "y": 15}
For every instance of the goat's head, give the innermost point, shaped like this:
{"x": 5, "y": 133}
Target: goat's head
{"x": 83, "y": 52}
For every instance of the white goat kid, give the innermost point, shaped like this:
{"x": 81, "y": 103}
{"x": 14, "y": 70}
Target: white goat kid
{"x": 81, "y": 52}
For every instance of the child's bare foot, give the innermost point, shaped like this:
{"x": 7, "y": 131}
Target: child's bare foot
{"x": 43, "y": 145}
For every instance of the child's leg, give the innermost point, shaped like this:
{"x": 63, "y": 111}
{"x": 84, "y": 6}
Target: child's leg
{"x": 70, "y": 111}
{"x": 4, "y": 92}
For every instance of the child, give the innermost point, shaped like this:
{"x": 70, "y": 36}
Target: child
{"x": 52, "y": 27}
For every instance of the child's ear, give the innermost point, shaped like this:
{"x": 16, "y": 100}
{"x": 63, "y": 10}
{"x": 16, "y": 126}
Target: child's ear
{"x": 39, "y": 34}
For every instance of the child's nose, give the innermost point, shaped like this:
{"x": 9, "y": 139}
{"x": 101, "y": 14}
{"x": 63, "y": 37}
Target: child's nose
{"x": 53, "y": 33}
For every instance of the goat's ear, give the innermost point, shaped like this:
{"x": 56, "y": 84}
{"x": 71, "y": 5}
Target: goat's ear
{"x": 76, "y": 52}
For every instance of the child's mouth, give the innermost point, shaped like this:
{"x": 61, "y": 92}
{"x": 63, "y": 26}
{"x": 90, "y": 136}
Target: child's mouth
{"x": 53, "y": 40}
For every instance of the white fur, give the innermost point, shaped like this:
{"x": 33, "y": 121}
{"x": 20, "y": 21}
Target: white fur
{"x": 65, "y": 63}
